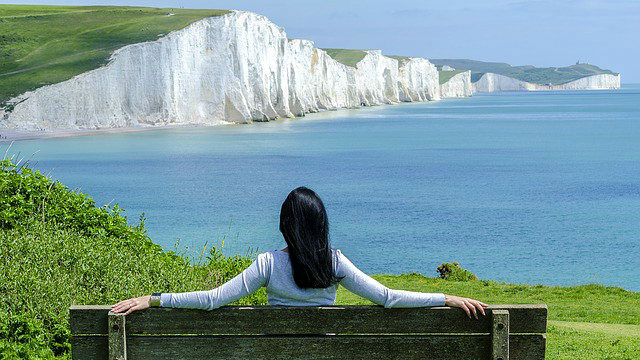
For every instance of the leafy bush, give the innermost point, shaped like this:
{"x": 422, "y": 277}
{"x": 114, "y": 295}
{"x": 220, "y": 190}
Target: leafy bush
{"x": 25, "y": 337}
{"x": 58, "y": 249}
{"x": 26, "y": 193}
{"x": 455, "y": 272}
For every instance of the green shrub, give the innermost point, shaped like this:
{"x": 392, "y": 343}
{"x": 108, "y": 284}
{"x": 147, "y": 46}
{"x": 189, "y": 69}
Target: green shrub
{"x": 454, "y": 272}
{"x": 26, "y": 337}
{"x": 27, "y": 194}
{"x": 58, "y": 249}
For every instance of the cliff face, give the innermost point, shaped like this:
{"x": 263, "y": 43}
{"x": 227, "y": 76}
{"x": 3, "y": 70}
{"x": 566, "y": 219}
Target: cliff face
{"x": 417, "y": 80}
{"x": 459, "y": 85}
{"x": 594, "y": 82}
{"x": 491, "y": 82}
{"x": 238, "y": 67}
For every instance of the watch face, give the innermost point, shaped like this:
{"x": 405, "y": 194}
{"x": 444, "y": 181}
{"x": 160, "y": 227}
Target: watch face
{"x": 154, "y": 300}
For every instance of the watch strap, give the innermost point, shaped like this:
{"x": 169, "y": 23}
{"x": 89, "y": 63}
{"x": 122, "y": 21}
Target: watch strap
{"x": 154, "y": 301}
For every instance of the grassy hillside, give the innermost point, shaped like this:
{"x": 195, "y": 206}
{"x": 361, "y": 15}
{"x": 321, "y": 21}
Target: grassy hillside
{"x": 585, "y": 322}
{"x": 532, "y": 74}
{"x": 444, "y": 76}
{"x": 59, "y": 249}
{"x": 348, "y": 57}
{"x": 42, "y": 45}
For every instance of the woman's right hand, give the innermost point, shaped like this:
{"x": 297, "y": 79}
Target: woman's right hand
{"x": 468, "y": 305}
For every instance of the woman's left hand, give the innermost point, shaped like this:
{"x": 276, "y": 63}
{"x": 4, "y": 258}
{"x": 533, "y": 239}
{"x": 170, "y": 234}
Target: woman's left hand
{"x": 131, "y": 305}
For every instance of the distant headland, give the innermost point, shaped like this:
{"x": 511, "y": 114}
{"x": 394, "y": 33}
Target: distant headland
{"x": 493, "y": 76}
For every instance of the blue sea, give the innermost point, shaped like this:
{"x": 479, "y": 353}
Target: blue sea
{"x": 528, "y": 188}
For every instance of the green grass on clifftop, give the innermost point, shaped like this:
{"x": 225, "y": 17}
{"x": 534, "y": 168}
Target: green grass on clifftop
{"x": 529, "y": 73}
{"x": 42, "y": 45}
{"x": 445, "y": 76}
{"x": 399, "y": 57}
{"x": 348, "y": 57}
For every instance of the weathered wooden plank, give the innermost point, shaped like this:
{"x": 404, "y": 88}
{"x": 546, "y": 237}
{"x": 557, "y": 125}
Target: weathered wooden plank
{"x": 92, "y": 347}
{"x": 342, "y": 347}
{"x": 308, "y": 320}
{"x": 89, "y": 319}
{"x": 500, "y": 335}
{"x": 521, "y": 347}
{"x": 117, "y": 337}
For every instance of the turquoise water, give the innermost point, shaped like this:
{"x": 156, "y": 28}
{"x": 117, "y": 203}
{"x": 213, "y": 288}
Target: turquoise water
{"x": 519, "y": 187}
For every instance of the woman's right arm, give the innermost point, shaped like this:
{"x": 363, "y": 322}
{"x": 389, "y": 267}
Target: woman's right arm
{"x": 245, "y": 283}
{"x": 359, "y": 283}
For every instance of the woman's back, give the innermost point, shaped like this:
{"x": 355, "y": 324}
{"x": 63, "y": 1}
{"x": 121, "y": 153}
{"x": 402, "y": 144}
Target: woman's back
{"x": 282, "y": 289}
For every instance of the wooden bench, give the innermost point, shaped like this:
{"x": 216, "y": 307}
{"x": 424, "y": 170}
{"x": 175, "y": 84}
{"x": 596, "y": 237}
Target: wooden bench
{"x": 334, "y": 332}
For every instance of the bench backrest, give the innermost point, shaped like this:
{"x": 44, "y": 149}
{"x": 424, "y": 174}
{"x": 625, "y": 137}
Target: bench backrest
{"x": 329, "y": 332}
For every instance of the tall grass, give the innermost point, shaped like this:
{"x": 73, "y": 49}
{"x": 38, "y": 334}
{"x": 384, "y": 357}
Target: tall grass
{"x": 58, "y": 249}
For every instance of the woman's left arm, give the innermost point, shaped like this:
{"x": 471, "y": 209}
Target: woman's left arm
{"x": 361, "y": 284}
{"x": 245, "y": 283}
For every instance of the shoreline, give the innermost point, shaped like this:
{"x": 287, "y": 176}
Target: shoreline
{"x": 9, "y": 135}
{"x": 16, "y": 135}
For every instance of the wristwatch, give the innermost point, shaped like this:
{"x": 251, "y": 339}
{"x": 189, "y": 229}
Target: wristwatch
{"x": 154, "y": 301}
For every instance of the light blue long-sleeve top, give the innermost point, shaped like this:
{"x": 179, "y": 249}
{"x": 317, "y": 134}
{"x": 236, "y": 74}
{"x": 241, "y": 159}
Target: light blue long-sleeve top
{"x": 273, "y": 270}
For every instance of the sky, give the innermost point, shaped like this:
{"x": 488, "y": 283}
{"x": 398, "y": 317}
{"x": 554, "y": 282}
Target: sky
{"x": 538, "y": 32}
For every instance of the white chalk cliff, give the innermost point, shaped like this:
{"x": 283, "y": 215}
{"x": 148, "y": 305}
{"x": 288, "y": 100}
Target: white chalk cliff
{"x": 459, "y": 85}
{"x": 491, "y": 82}
{"x": 238, "y": 67}
{"x": 593, "y": 82}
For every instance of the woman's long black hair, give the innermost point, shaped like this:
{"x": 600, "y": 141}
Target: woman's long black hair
{"x": 305, "y": 227}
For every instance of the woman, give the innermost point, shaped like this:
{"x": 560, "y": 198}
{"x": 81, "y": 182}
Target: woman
{"x": 305, "y": 273}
